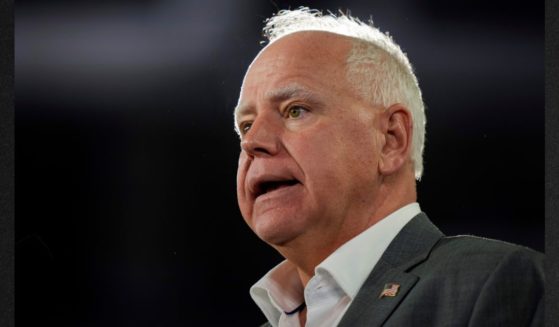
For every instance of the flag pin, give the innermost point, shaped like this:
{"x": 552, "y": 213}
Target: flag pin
{"x": 390, "y": 290}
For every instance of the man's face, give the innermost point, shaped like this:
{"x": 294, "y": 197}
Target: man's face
{"x": 309, "y": 157}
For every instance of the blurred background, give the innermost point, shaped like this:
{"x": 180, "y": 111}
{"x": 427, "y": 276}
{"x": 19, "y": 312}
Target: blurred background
{"x": 126, "y": 154}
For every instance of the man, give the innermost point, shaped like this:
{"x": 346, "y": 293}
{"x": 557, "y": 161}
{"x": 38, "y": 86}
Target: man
{"x": 332, "y": 126}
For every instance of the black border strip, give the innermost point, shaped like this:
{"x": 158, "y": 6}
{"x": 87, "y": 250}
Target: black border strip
{"x": 551, "y": 158}
{"x": 7, "y": 147}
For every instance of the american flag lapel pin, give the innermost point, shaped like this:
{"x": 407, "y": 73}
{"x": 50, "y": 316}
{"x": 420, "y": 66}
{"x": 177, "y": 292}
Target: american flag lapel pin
{"x": 390, "y": 290}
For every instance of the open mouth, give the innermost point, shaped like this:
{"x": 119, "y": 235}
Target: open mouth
{"x": 269, "y": 186}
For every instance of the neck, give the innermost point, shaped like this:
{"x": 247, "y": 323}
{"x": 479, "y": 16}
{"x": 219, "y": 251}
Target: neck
{"x": 309, "y": 250}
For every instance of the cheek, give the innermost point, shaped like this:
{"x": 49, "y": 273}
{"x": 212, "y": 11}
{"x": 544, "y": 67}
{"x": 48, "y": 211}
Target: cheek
{"x": 365, "y": 148}
{"x": 241, "y": 175}
{"x": 241, "y": 169}
{"x": 242, "y": 198}
{"x": 339, "y": 154}
{"x": 360, "y": 139}
{"x": 319, "y": 154}
{"x": 339, "y": 141}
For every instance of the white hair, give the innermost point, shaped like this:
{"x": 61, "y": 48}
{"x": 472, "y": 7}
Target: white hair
{"x": 378, "y": 68}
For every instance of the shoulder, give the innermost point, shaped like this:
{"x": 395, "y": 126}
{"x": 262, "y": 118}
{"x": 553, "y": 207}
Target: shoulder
{"x": 497, "y": 275}
{"x": 472, "y": 264}
{"x": 482, "y": 281}
{"x": 481, "y": 256}
{"x": 475, "y": 250}
{"x": 468, "y": 244}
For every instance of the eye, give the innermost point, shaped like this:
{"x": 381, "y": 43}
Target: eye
{"x": 244, "y": 127}
{"x": 295, "y": 112}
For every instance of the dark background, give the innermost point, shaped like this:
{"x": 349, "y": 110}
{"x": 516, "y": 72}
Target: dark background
{"x": 126, "y": 154}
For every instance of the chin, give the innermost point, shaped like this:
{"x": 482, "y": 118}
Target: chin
{"x": 277, "y": 231}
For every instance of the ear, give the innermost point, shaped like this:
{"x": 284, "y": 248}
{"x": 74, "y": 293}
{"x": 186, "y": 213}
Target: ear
{"x": 397, "y": 127}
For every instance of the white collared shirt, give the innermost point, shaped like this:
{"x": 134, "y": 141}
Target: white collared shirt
{"x": 336, "y": 281}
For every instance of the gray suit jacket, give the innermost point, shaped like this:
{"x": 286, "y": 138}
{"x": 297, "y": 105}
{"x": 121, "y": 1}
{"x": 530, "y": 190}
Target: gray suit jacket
{"x": 450, "y": 281}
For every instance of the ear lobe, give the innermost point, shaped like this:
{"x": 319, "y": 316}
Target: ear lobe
{"x": 398, "y": 129}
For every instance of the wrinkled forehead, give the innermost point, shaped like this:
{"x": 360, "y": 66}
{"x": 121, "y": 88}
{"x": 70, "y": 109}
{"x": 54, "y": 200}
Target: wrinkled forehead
{"x": 311, "y": 56}
{"x": 314, "y": 48}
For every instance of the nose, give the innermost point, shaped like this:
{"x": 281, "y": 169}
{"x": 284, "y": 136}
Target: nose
{"x": 262, "y": 139}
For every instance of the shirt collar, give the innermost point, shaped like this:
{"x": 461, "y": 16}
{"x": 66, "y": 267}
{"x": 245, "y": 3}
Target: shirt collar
{"x": 362, "y": 252}
{"x": 281, "y": 290}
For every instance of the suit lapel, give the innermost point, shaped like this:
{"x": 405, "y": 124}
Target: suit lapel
{"x": 410, "y": 247}
{"x": 368, "y": 309}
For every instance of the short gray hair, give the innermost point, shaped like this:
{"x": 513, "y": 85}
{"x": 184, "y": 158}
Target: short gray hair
{"x": 379, "y": 69}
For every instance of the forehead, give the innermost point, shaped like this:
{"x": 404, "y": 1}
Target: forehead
{"x": 309, "y": 46}
{"x": 303, "y": 61}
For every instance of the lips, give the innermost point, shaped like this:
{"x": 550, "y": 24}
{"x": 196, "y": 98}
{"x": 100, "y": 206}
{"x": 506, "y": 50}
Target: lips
{"x": 266, "y": 187}
{"x": 267, "y": 184}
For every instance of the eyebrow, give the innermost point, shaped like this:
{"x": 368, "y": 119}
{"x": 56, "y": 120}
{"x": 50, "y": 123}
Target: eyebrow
{"x": 288, "y": 92}
{"x": 281, "y": 94}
